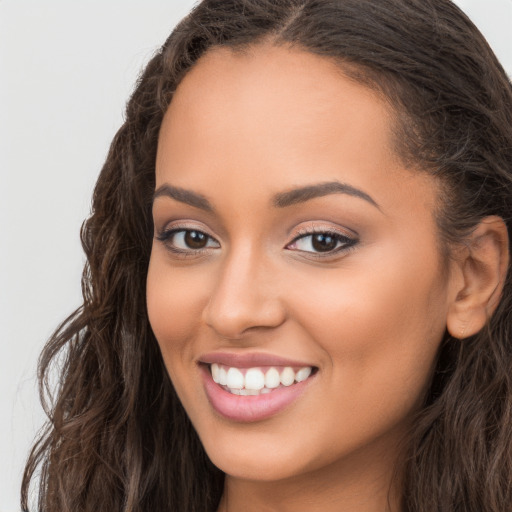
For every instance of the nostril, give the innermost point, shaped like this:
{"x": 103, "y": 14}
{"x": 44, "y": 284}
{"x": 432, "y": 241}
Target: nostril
{"x": 241, "y": 300}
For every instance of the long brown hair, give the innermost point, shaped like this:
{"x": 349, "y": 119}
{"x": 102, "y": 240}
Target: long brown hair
{"x": 118, "y": 438}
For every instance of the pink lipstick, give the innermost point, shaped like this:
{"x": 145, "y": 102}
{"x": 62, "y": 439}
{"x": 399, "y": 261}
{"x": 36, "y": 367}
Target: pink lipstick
{"x": 253, "y": 387}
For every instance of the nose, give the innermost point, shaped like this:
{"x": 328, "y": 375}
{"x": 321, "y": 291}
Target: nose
{"x": 245, "y": 297}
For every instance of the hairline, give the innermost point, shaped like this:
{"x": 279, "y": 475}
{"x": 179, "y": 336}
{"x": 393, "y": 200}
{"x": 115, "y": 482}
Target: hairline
{"x": 381, "y": 84}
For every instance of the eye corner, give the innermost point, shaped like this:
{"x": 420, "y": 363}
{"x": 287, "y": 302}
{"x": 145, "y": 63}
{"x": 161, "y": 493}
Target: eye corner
{"x": 322, "y": 242}
{"x": 186, "y": 241}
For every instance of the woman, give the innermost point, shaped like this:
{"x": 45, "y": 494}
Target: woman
{"x": 297, "y": 294}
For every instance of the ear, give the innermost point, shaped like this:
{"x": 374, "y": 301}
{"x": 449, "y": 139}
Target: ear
{"x": 482, "y": 265}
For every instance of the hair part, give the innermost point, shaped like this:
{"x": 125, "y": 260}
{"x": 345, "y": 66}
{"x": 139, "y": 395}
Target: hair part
{"x": 118, "y": 437}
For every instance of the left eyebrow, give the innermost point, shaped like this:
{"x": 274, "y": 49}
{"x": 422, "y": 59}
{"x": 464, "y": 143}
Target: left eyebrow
{"x": 184, "y": 196}
{"x": 303, "y": 194}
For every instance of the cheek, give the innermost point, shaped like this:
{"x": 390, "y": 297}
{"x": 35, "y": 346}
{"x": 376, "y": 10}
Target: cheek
{"x": 379, "y": 322}
{"x": 175, "y": 303}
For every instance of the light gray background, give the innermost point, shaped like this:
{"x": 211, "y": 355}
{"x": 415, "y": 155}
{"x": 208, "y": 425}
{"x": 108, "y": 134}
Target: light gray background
{"x": 66, "y": 70}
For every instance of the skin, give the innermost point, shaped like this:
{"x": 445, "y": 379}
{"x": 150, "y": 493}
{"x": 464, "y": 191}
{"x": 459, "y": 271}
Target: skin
{"x": 370, "y": 318}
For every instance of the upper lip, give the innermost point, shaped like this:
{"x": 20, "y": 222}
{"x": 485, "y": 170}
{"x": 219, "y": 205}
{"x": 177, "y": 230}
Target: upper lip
{"x": 249, "y": 360}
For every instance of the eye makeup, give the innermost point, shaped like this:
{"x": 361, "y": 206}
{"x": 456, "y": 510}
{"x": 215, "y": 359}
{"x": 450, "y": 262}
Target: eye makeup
{"x": 315, "y": 241}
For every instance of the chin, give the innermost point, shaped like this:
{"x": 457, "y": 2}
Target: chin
{"x": 264, "y": 468}
{"x": 258, "y": 454}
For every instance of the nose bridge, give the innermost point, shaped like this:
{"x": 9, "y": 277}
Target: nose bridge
{"x": 243, "y": 297}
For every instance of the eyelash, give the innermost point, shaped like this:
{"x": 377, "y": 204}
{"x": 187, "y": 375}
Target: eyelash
{"x": 348, "y": 243}
{"x": 167, "y": 235}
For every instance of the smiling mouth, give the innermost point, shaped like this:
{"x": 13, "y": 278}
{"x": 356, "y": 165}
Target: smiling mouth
{"x": 253, "y": 387}
{"x": 257, "y": 380}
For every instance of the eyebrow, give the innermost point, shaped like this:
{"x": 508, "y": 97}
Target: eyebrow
{"x": 281, "y": 200}
{"x": 184, "y": 196}
{"x": 303, "y": 194}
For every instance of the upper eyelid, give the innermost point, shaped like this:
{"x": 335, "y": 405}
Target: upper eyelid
{"x": 350, "y": 240}
{"x": 313, "y": 230}
{"x": 347, "y": 246}
{"x": 184, "y": 226}
{"x": 302, "y": 232}
{"x": 174, "y": 230}
{"x": 166, "y": 237}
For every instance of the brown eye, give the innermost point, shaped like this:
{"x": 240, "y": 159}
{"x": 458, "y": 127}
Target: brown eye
{"x": 187, "y": 240}
{"x": 323, "y": 242}
{"x": 195, "y": 239}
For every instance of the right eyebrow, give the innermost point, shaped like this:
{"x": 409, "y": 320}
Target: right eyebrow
{"x": 184, "y": 196}
{"x": 303, "y": 194}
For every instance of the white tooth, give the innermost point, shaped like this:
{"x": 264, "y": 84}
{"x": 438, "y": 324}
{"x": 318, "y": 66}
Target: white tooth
{"x": 223, "y": 376}
{"x": 272, "y": 379}
{"x": 235, "y": 391}
{"x": 288, "y": 376}
{"x": 249, "y": 392}
{"x": 303, "y": 374}
{"x": 254, "y": 379}
{"x": 265, "y": 391}
{"x": 215, "y": 372}
{"x": 235, "y": 379}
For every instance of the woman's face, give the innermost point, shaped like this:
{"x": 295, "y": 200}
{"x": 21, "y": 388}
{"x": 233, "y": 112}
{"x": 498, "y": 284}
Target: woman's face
{"x": 290, "y": 239}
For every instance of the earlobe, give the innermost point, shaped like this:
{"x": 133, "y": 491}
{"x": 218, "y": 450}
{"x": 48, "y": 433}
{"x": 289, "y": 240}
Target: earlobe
{"x": 482, "y": 265}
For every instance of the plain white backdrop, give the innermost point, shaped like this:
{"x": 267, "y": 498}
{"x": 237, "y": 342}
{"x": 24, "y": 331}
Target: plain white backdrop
{"x": 66, "y": 71}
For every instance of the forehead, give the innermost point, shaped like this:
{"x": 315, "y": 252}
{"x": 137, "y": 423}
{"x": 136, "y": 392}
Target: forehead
{"x": 268, "y": 84}
{"x": 269, "y": 117}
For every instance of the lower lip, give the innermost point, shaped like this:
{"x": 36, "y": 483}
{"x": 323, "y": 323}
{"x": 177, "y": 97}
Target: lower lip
{"x": 248, "y": 409}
